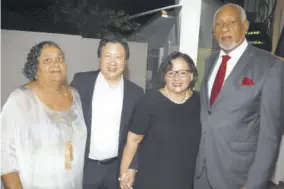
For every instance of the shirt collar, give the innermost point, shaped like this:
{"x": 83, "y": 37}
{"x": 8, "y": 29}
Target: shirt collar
{"x": 104, "y": 82}
{"x": 237, "y": 52}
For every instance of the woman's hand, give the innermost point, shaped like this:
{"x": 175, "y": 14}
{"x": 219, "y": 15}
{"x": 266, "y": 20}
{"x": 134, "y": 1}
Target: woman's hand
{"x": 11, "y": 181}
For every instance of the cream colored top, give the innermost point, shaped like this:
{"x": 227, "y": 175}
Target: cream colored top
{"x": 33, "y": 141}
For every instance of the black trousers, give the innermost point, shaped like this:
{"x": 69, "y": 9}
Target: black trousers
{"x": 101, "y": 176}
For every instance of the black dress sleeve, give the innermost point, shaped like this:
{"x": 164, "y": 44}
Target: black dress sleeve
{"x": 140, "y": 120}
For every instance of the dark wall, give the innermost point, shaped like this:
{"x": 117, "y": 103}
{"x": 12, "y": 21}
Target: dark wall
{"x": 280, "y": 46}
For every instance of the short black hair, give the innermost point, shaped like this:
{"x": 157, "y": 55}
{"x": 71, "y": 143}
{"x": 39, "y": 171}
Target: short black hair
{"x": 30, "y": 68}
{"x": 114, "y": 38}
{"x": 166, "y": 65}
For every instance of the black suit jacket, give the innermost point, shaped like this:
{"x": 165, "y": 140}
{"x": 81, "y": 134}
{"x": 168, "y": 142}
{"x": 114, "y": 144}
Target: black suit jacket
{"x": 84, "y": 82}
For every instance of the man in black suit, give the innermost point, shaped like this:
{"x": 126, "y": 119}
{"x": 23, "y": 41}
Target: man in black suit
{"x": 108, "y": 100}
{"x": 279, "y": 49}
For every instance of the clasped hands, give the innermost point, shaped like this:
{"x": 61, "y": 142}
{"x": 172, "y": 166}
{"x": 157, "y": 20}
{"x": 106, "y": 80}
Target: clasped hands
{"x": 126, "y": 180}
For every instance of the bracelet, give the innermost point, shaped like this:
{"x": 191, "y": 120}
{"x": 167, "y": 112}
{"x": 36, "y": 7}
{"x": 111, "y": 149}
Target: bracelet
{"x": 134, "y": 170}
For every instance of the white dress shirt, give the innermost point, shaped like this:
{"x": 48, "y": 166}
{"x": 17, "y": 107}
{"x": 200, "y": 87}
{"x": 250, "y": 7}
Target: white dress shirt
{"x": 235, "y": 56}
{"x": 106, "y": 114}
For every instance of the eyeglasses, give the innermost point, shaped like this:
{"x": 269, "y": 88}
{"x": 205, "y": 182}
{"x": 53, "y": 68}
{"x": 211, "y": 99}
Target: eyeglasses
{"x": 228, "y": 24}
{"x": 181, "y": 73}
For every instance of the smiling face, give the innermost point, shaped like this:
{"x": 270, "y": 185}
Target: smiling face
{"x": 229, "y": 28}
{"x": 179, "y": 77}
{"x": 112, "y": 61}
{"x": 51, "y": 65}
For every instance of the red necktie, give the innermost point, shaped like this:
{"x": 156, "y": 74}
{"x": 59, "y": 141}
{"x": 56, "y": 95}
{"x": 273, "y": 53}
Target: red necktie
{"x": 219, "y": 80}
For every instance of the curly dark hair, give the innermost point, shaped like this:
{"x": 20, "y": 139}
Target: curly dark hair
{"x": 166, "y": 65}
{"x": 114, "y": 38}
{"x": 30, "y": 68}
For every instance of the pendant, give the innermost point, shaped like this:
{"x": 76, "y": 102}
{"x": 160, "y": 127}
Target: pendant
{"x": 68, "y": 155}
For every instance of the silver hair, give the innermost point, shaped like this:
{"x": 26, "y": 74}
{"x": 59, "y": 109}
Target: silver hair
{"x": 241, "y": 9}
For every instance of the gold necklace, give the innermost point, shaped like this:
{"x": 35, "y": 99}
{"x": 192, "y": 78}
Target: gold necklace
{"x": 68, "y": 142}
{"x": 170, "y": 97}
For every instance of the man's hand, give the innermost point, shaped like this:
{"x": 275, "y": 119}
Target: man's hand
{"x": 131, "y": 174}
{"x": 243, "y": 187}
{"x": 123, "y": 181}
{"x": 127, "y": 180}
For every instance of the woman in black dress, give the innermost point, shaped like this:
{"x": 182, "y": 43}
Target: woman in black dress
{"x": 165, "y": 129}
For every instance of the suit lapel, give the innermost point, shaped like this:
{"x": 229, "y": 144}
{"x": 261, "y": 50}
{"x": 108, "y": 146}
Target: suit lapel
{"x": 211, "y": 63}
{"x": 89, "y": 98}
{"x": 235, "y": 74}
{"x": 126, "y": 106}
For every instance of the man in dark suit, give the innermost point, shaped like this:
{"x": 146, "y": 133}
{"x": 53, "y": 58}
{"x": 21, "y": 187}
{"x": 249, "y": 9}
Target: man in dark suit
{"x": 108, "y": 99}
{"x": 279, "y": 49}
{"x": 242, "y": 106}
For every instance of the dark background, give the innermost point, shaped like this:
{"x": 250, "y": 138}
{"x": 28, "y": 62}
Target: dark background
{"x": 130, "y": 6}
{"x": 39, "y": 15}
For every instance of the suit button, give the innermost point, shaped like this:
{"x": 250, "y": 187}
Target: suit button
{"x": 209, "y": 112}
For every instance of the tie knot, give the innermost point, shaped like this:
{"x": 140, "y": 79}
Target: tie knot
{"x": 226, "y": 57}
